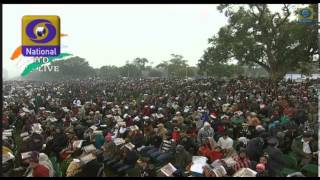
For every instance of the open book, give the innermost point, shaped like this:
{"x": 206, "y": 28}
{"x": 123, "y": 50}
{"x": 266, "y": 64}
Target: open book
{"x": 73, "y": 119}
{"x": 52, "y": 119}
{"x": 77, "y": 144}
{"x": 198, "y": 162}
{"x": 25, "y": 155}
{"x": 168, "y": 169}
{"x": 89, "y": 148}
{"x": 245, "y": 172}
{"x": 93, "y": 127}
{"x": 216, "y": 163}
{"x": 8, "y": 133}
{"x": 7, "y": 156}
{"x": 119, "y": 141}
{"x": 219, "y": 171}
{"x": 103, "y": 125}
{"x": 229, "y": 161}
{"x": 87, "y": 158}
{"x": 130, "y": 146}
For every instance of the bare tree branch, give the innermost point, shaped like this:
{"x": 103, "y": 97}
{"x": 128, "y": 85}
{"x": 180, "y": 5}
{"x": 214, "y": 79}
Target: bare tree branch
{"x": 286, "y": 9}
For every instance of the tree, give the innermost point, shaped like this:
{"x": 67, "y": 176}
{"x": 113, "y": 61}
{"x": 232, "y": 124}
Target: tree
{"x": 176, "y": 66}
{"x": 140, "y": 62}
{"x": 109, "y": 72}
{"x": 163, "y": 64}
{"x": 256, "y": 36}
{"x": 155, "y": 73}
{"x": 130, "y": 70}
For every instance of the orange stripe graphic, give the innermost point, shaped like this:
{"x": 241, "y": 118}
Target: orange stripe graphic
{"x": 18, "y": 50}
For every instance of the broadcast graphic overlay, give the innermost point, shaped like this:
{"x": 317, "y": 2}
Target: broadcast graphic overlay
{"x": 40, "y": 35}
{"x": 41, "y": 45}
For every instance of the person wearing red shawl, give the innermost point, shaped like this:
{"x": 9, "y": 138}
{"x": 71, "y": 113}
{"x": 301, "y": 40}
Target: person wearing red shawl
{"x": 212, "y": 153}
{"x": 176, "y": 134}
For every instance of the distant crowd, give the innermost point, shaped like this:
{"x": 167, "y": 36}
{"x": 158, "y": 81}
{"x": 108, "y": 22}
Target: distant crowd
{"x": 98, "y": 128}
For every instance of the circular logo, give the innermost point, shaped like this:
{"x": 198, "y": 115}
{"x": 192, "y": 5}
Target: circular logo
{"x": 40, "y": 31}
{"x": 305, "y": 13}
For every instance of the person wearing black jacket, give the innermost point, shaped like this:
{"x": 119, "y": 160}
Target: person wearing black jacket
{"x": 36, "y": 142}
{"x": 128, "y": 160}
{"x": 255, "y": 147}
{"x": 90, "y": 169}
{"x": 276, "y": 162}
{"x": 59, "y": 141}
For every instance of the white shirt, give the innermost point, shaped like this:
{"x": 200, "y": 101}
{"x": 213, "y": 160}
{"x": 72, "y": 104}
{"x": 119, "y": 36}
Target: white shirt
{"x": 225, "y": 143}
{"x": 306, "y": 147}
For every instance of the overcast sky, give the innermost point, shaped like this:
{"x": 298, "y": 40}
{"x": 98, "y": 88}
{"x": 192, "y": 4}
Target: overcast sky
{"x": 113, "y": 34}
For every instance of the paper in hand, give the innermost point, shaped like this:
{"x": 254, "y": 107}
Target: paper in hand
{"x": 216, "y": 163}
{"x": 6, "y": 157}
{"x": 89, "y": 148}
{"x": 87, "y": 158}
{"x": 198, "y": 162}
{"x": 245, "y": 172}
{"x": 220, "y": 171}
{"x": 77, "y": 144}
{"x": 119, "y": 141}
{"x": 26, "y": 155}
{"x": 229, "y": 161}
{"x": 130, "y": 146}
{"x": 168, "y": 169}
{"x": 8, "y": 134}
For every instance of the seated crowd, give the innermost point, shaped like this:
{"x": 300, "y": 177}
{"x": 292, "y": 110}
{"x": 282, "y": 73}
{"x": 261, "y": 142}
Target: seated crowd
{"x": 100, "y": 128}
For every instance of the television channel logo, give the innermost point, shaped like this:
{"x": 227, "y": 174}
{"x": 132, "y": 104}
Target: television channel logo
{"x": 306, "y": 16}
{"x": 40, "y": 36}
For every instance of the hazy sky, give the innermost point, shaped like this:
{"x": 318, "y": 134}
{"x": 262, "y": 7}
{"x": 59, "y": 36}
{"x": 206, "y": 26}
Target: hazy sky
{"x": 113, "y": 34}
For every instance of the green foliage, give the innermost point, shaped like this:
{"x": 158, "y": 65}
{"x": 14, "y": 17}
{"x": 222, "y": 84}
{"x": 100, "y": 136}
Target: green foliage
{"x": 177, "y": 67}
{"x": 256, "y": 36}
{"x": 140, "y": 62}
{"x": 155, "y": 73}
{"x": 130, "y": 70}
{"x": 109, "y": 72}
{"x": 220, "y": 70}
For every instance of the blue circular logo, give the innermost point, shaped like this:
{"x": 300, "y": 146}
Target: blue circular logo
{"x": 40, "y": 31}
{"x": 305, "y": 13}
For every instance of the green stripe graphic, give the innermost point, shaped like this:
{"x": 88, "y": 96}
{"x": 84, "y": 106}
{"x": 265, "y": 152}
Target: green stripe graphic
{"x": 37, "y": 64}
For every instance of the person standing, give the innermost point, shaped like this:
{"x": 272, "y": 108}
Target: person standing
{"x": 275, "y": 162}
{"x": 302, "y": 147}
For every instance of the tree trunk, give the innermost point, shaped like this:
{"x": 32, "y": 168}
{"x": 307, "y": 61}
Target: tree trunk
{"x": 276, "y": 76}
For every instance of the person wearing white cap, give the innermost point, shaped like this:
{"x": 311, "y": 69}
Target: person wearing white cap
{"x": 205, "y": 132}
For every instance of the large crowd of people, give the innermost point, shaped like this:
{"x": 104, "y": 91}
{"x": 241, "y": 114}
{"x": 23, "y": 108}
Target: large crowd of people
{"x": 135, "y": 127}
